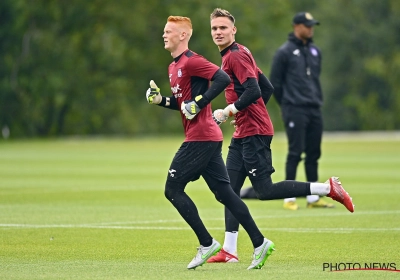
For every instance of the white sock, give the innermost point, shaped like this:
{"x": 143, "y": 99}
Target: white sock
{"x": 312, "y": 198}
{"x": 293, "y": 199}
{"x": 320, "y": 189}
{"x": 230, "y": 243}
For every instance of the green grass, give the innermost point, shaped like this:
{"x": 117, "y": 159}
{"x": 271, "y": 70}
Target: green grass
{"x": 95, "y": 209}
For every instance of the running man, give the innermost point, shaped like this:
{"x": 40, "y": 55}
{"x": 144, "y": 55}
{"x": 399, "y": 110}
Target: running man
{"x": 200, "y": 153}
{"x": 249, "y": 151}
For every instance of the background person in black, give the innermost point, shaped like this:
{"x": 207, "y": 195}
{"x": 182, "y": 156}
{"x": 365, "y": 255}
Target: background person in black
{"x": 295, "y": 75}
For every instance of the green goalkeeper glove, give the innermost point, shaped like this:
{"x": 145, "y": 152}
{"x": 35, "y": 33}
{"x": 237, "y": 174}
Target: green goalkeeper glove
{"x": 153, "y": 95}
{"x": 190, "y": 108}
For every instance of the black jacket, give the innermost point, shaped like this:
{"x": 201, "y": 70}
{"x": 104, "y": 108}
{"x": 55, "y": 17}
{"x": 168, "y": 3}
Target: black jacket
{"x": 295, "y": 73}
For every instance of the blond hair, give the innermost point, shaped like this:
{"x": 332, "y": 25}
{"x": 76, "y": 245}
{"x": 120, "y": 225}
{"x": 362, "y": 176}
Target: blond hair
{"x": 185, "y": 22}
{"x": 218, "y": 12}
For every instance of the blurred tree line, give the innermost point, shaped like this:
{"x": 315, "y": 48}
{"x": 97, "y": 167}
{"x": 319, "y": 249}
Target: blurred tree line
{"x": 83, "y": 67}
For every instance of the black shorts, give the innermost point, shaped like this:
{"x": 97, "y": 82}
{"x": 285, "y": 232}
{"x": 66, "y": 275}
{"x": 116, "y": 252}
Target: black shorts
{"x": 195, "y": 159}
{"x": 251, "y": 155}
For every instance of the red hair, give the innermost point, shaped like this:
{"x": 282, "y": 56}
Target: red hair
{"x": 185, "y": 21}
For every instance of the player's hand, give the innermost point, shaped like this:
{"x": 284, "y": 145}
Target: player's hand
{"x": 230, "y": 110}
{"x": 190, "y": 108}
{"x": 219, "y": 117}
{"x": 153, "y": 95}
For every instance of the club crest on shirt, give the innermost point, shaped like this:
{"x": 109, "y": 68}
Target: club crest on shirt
{"x": 314, "y": 51}
{"x": 179, "y": 72}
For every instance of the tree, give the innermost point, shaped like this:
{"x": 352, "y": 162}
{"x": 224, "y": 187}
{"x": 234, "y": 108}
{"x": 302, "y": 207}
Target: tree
{"x": 82, "y": 67}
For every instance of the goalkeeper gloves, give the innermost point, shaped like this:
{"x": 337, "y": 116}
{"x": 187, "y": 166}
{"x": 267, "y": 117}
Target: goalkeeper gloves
{"x": 230, "y": 110}
{"x": 153, "y": 95}
{"x": 190, "y": 108}
{"x": 219, "y": 117}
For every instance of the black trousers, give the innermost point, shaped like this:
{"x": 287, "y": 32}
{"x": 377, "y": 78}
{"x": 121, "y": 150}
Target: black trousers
{"x": 304, "y": 126}
{"x": 195, "y": 159}
{"x": 252, "y": 157}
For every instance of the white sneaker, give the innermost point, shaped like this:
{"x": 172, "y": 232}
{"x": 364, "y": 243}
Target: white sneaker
{"x": 261, "y": 254}
{"x": 204, "y": 253}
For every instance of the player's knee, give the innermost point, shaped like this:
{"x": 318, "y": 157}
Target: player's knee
{"x": 263, "y": 189}
{"x": 222, "y": 193}
{"x": 265, "y": 196}
{"x": 172, "y": 189}
{"x": 219, "y": 196}
{"x": 168, "y": 192}
{"x": 312, "y": 158}
{"x": 294, "y": 157}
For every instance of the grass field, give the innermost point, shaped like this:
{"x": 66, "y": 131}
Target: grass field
{"x": 95, "y": 209}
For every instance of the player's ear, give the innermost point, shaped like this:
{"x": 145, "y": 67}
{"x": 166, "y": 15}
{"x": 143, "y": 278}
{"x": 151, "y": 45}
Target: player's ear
{"x": 234, "y": 30}
{"x": 183, "y": 35}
